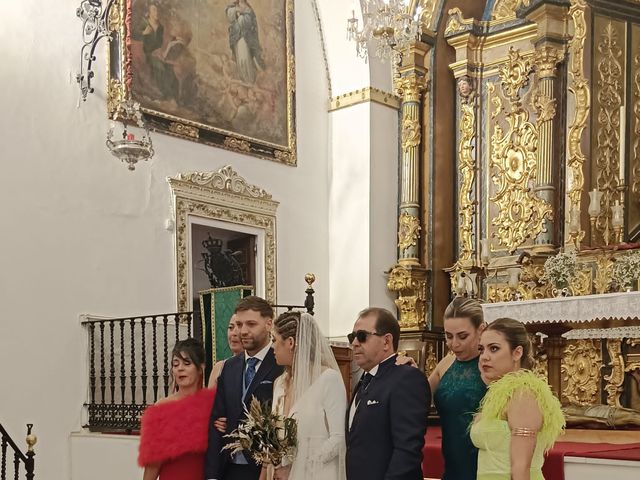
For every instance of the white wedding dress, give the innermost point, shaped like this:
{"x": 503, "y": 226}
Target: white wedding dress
{"x": 319, "y": 411}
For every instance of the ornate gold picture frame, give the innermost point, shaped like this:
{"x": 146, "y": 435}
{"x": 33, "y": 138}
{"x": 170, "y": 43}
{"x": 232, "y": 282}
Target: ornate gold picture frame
{"x": 226, "y": 198}
{"x": 220, "y": 72}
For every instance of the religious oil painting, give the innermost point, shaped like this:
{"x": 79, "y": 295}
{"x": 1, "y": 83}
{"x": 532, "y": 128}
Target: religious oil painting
{"x": 219, "y": 72}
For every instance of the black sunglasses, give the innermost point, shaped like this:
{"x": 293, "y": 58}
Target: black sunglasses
{"x": 362, "y": 335}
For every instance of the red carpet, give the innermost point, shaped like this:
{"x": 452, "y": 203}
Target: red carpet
{"x": 553, "y": 468}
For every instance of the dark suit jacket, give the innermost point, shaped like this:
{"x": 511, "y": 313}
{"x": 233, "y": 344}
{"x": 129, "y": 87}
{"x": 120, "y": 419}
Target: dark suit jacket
{"x": 229, "y": 404}
{"x": 386, "y": 438}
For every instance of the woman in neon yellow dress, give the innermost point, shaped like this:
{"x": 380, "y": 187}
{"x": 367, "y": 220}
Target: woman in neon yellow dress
{"x": 519, "y": 418}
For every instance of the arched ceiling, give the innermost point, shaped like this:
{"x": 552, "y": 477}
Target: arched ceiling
{"x": 345, "y": 70}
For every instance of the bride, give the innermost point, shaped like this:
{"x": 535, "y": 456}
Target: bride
{"x": 310, "y": 390}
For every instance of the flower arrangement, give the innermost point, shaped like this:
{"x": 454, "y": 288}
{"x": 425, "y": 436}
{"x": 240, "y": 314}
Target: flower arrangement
{"x": 560, "y": 269}
{"x": 265, "y": 434}
{"x": 626, "y": 269}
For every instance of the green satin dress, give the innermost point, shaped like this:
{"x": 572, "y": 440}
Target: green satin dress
{"x": 457, "y": 398}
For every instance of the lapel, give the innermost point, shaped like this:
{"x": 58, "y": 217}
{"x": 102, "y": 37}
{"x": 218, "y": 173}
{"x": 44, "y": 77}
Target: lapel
{"x": 265, "y": 368}
{"x": 374, "y": 385}
{"x": 235, "y": 380}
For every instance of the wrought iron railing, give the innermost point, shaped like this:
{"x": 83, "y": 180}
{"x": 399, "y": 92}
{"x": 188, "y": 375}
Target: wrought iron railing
{"x": 12, "y": 467}
{"x": 129, "y": 366}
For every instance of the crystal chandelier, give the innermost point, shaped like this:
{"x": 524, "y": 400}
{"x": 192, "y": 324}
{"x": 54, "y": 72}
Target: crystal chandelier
{"x": 388, "y": 24}
{"x": 94, "y": 15}
{"x": 129, "y": 149}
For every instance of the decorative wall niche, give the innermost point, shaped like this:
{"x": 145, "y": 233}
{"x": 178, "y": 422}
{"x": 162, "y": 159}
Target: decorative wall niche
{"x": 222, "y": 200}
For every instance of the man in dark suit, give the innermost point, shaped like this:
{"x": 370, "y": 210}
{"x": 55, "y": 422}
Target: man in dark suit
{"x": 249, "y": 374}
{"x": 387, "y": 419}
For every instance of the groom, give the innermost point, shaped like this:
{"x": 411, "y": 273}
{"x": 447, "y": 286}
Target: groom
{"x": 249, "y": 374}
{"x": 387, "y": 419}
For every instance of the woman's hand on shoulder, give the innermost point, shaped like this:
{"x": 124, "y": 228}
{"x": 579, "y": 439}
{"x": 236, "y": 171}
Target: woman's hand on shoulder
{"x": 404, "y": 359}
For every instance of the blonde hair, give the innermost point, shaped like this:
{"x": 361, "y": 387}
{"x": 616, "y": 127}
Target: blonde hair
{"x": 464, "y": 307}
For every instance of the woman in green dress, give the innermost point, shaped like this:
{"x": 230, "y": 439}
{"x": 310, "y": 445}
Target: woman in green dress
{"x": 458, "y": 388}
{"x": 519, "y": 418}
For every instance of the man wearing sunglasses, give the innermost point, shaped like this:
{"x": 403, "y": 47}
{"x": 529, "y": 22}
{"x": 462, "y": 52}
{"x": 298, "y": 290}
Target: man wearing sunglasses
{"x": 387, "y": 419}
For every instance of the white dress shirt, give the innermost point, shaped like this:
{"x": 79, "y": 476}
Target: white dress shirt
{"x": 356, "y": 401}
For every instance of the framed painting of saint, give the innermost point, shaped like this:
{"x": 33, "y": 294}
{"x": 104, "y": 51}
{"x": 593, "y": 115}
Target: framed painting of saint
{"x": 219, "y": 72}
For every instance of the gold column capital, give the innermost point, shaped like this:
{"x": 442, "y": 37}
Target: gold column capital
{"x": 411, "y": 85}
{"x": 410, "y": 283}
{"x": 547, "y": 58}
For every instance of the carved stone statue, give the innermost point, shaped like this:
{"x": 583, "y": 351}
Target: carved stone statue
{"x": 600, "y": 416}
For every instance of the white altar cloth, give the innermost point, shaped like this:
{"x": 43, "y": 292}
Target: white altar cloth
{"x": 580, "y": 309}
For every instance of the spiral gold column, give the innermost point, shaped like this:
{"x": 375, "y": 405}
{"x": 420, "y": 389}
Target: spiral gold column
{"x": 408, "y": 276}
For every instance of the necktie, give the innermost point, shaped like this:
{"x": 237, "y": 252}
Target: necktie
{"x": 364, "y": 383}
{"x": 251, "y": 371}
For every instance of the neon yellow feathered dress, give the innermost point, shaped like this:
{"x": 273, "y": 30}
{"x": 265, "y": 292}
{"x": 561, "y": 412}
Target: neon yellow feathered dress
{"x": 491, "y": 433}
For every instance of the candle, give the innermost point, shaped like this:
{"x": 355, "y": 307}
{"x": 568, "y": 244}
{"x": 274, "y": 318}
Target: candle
{"x": 623, "y": 142}
{"x": 485, "y": 251}
{"x": 594, "y": 202}
{"x": 514, "y": 277}
{"x": 460, "y": 287}
{"x": 617, "y": 214}
{"x": 574, "y": 220}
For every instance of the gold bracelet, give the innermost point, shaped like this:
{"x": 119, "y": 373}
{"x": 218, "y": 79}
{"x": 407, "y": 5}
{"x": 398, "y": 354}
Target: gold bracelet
{"x": 524, "y": 432}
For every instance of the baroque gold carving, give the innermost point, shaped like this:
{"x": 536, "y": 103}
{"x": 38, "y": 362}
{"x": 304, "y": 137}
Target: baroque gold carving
{"x": 610, "y": 89}
{"x": 182, "y": 129}
{"x": 579, "y": 87}
{"x": 506, "y": 9}
{"x": 431, "y": 361}
{"x": 513, "y": 157}
{"x": 467, "y": 166}
{"x": 411, "y": 86}
{"x": 456, "y": 23}
{"x": 115, "y": 96}
{"x": 580, "y": 284}
{"x": 284, "y": 157}
{"x": 408, "y": 231}
{"x": 237, "y": 145}
{"x": 227, "y": 180}
{"x": 411, "y": 286}
{"x": 604, "y": 273}
{"x": 226, "y": 196}
{"x": 635, "y": 171}
{"x": 544, "y": 105}
{"x": 547, "y": 59}
{"x": 581, "y": 365}
{"x": 411, "y": 134}
{"x": 616, "y": 378}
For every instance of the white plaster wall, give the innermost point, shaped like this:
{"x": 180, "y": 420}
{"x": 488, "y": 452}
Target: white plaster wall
{"x": 383, "y": 199}
{"x": 81, "y": 234}
{"x": 362, "y": 210}
{"x": 349, "y": 212}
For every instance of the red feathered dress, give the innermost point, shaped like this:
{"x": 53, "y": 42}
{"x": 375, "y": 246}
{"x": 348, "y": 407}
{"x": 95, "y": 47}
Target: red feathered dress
{"x": 174, "y": 434}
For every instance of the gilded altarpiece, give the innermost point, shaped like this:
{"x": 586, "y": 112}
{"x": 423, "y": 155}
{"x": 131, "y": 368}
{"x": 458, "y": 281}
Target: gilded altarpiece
{"x": 548, "y": 109}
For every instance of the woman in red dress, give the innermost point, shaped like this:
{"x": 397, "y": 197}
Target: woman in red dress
{"x": 173, "y": 438}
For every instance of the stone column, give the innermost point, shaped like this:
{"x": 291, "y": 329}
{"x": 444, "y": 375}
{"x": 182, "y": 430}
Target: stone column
{"x": 408, "y": 276}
